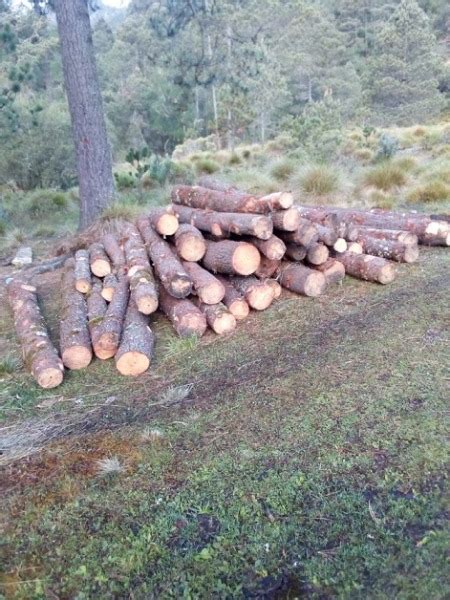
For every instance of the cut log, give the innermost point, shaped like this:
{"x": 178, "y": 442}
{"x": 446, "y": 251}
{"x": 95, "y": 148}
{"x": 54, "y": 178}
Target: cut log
{"x": 296, "y": 251}
{"x": 168, "y": 268}
{"x": 327, "y": 235}
{"x": 277, "y": 200}
{"x": 110, "y": 329}
{"x": 222, "y": 224}
{"x": 207, "y": 287}
{"x": 218, "y": 317}
{"x": 96, "y": 310}
{"x": 258, "y": 294}
{"x": 143, "y": 291}
{"x": 286, "y": 220}
{"x": 39, "y": 355}
{"x": 305, "y": 234}
{"x": 396, "y": 235}
{"x": 398, "y": 251}
{"x": 99, "y": 260}
{"x": 135, "y": 252}
{"x": 276, "y": 287}
{"x": 317, "y": 253}
{"x": 232, "y": 201}
{"x": 302, "y": 280}
{"x": 163, "y": 220}
{"x": 273, "y": 248}
{"x": 114, "y": 251}
{"x": 234, "y": 300}
{"x": 340, "y": 245}
{"x": 74, "y": 338}
{"x": 369, "y": 268}
{"x": 136, "y": 345}
{"x": 333, "y": 271}
{"x": 354, "y": 247}
{"x": 189, "y": 243}
{"x": 231, "y": 258}
{"x": 109, "y": 285}
{"x": 267, "y": 268}
{"x": 351, "y": 232}
{"x": 83, "y": 278}
{"x": 186, "y": 318}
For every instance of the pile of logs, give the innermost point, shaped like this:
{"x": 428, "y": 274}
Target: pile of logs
{"x": 204, "y": 261}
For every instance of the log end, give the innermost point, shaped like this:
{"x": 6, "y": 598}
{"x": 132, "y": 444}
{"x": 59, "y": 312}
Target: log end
{"x": 340, "y": 245}
{"x": 260, "y": 296}
{"x": 106, "y": 346}
{"x": 275, "y": 286}
{"x": 107, "y": 294}
{"x": 77, "y": 357}
{"x": 83, "y": 286}
{"x": 239, "y": 308}
{"x": 315, "y": 284}
{"x": 246, "y": 259}
{"x": 132, "y": 363}
{"x": 212, "y": 293}
{"x": 50, "y": 377}
{"x": 386, "y": 274}
{"x": 411, "y": 254}
{"x": 167, "y": 224}
{"x": 194, "y": 250}
{"x": 286, "y": 200}
{"x": 100, "y": 267}
{"x": 224, "y": 323}
{"x": 180, "y": 286}
{"x": 147, "y": 305}
{"x": 192, "y": 324}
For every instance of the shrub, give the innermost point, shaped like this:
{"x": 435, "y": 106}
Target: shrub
{"x": 246, "y": 153}
{"x": 42, "y": 203}
{"x": 59, "y": 200}
{"x": 44, "y": 231}
{"x": 433, "y": 191}
{"x": 320, "y": 179}
{"x": 406, "y": 163}
{"x": 378, "y": 199}
{"x": 2, "y": 227}
{"x": 363, "y": 154}
{"x": 124, "y": 180}
{"x": 235, "y": 159}
{"x": 282, "y": 169}
{"x": 181, "y": 172}
{"x": 419, "y": 131}
{"x": 207, "y": 165}
{"x": 385, "y": 176}
{"x": 387, "y": 146}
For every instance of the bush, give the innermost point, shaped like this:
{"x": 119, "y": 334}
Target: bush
{"x": 181, "y": 172}
{"x": 320, "y": 179}
{"x": 433, "y": 191}
{"x": 207, "y": 165}
{"x": 363, "y": 154}
{"x": 246, "y": 154}
{"x": 282, "y": 169}
{"x": 42, "y": 203}
{"x": 378, "y": 199}
{"x": 235, "y": 159}
{"x": 406, "y": 163}
{"x": 2, "y": 227}
{"x": 387, "y": 146}
{"x": 124, "y": 180}
{"x": 385, "y": 176}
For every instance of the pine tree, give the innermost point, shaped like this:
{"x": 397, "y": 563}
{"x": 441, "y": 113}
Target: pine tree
{"x": 404, "y": 72}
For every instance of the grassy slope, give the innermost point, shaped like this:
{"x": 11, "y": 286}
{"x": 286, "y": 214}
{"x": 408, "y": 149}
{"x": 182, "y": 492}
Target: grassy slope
{"x": 308, "y": 459}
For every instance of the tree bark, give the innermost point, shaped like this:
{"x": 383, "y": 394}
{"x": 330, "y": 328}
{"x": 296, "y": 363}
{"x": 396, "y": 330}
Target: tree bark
{"x": 96, "y": 310}
{"x": 74, "y": 338}
{"x": 302, "y": 280}
{"x": 190, "y": 243}
{"x": 222, "y": 224}
{"x": 258, "y": 294}
{"x": 286, "y": 220}
{"x": 333, "y": 271}
{"x": 83, "y": 277}
{"x": 273, "y": 248}
{"x": 369, "y": 268}
{"x": 207, "y": 199}
{"x": 99, "y": 260}
{"x": 109, "y": 285}
{"x": 207, "y": 287}
{"x": 317, "y": 253}
{"x": 231, "y": 258}
{"x": 167, "y": 266}
{"x": 267, "y": 268}
{"x": 186, "y": 318}
{"x": 234, "y": 300}
{"x": 114, "y": 251}
{"x": 93, "y": 154}
{"x": 396, "y": 235}
{"x": 39, "y": 354}
{"x": 163, "y": 220}
{"x": 393, "y": 250}
{"x": 136, "y": 345}
{"x": 110, "y": 329}
{"x": 305, "y": 234}
{"x": 142, "y": 282}
{"x": 218, "y": 317}
{"x": 296, "y": 252}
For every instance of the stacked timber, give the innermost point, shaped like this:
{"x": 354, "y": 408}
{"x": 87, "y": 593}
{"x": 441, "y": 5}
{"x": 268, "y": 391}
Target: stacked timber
{"x": 206, "y": 261}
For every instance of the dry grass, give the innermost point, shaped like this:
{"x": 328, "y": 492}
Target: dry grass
{"x": 433, "y": 191}
{"x": 320, "y": 180}
{"x": 282, "y": 169}
{"x": 386, "y": 175}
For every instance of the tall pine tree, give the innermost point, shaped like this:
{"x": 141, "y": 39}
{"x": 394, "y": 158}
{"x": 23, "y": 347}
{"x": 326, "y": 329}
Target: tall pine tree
{"x": 404, "y": 71}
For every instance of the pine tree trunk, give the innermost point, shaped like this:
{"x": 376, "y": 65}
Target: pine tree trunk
{"x": 218, "y": 317}
{"x": 114, "y": 251}
{"x": 305, "y": 234}
{"x": 286, "y": 220}
{"x": 109, "y": 285}
{"x": 93, "y": 154}
{"x": 396, "y": 235}
{"x": 267, "y": 267}
{"x": 96, "y": 310}
{"x": 398, "y": 251}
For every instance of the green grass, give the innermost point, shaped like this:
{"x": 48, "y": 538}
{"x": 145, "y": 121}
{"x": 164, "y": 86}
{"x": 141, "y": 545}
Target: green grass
{"x": 309, "y": 456}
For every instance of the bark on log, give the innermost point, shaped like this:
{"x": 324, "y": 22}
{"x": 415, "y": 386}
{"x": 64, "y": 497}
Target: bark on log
{"x": 232, "y": 201}
{"x": 135, "y": 252}
{"x": 273, "y": 248}
{"x": 114, "y": 251}
{"x": 317, "y": 253}
{"x": 39, "y": 355}
{"x": 267, "y": 268}
{"x": 396, "y": 235}
{"x": 327, "y": 235}
{"x": 333, "y": 271}
{"x": 74, "y": 338}
{"x": 96, "y": 310}
{"x": 163, "y": 220}
{"x": 222, "y": 224}
{"x": 302, "y": 280}
{"x": 109, "y": 285}
{"x": 234, "y": 300}
{"x": 369, "y": 268}
{"x": 190, "y": 243}
{"x": 99, "y": 260}
{"x": 286, "y": 220}
{"x": 110, "y": 329}
{"x": 231, "y": 258}
{"x": 296, "y": 252}
{"x": 168, "y": 268}
{"x": 390, "y": 249}
{"x": 207, "y": 287}
{"x": 83, "y": 278}
{"x": 218, "y": 317}
{"x": 186, "y": 318}
{"x": 305, "y": 234}
{"x": 143, "y": 291}
{"x": 258, "y": 294}
{"x": 136, "y": 345}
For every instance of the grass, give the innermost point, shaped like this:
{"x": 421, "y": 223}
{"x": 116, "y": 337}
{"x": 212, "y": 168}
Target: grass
{"x": 319, "y": 180}
{"x": 386, "y": 175}
{"x": 295, "y": 463}
{"x": 433, "y": 191}
{"x": 282, "y": 169}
